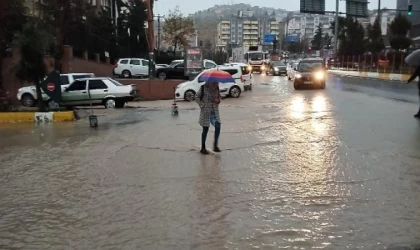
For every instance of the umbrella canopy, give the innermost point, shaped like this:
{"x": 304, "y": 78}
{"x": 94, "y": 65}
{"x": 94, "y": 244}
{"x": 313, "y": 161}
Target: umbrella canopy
{"x": 219, "y": 76}
{"x": 414, "y": 58}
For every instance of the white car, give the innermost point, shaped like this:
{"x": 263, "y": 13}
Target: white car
{"x": 97, "y": 90}
{"x": 246, "y": 73}
{"x": 128, "y": 67}
{"x": 187, "y": 90}
{"x": 28, "y": 97}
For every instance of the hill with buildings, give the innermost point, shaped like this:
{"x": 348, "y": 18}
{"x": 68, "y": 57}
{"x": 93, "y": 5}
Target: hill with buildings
{"x": 206, "y": 21}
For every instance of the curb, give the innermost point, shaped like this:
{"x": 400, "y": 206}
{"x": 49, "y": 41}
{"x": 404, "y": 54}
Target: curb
{"x": 382, "y": 76}
{"x": 15, "y": 117}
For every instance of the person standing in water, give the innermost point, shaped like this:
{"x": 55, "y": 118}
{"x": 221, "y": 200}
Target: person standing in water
{"x": 413, "y": 76}
{"x": 208, "y": 98}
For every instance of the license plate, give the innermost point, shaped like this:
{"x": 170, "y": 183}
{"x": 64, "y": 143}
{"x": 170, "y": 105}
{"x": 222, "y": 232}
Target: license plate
{"x": 308, "y": 82}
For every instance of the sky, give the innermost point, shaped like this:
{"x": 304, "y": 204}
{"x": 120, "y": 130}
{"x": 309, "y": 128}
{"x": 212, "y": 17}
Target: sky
{"x": 190, "y": 6}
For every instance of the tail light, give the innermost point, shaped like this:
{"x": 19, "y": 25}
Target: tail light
{"x": 242, "y": 79}
{"x": 116, "y": 65}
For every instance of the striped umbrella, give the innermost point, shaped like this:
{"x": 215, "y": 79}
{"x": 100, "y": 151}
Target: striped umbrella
{"x": 219, "y": 76}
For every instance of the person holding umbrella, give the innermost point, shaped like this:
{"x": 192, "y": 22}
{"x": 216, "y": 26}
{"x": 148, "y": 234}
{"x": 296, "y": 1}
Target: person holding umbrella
{"x": 414, "y": 60}
{"x": 208, "y": 98}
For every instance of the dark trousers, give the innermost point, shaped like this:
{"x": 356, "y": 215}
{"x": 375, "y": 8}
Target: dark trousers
{"x": 205, "y": 131}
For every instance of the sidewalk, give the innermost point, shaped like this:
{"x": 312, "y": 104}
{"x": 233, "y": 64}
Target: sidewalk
{"x": 374, "y": 75}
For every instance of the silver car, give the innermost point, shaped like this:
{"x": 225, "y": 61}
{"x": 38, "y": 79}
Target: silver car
{"x": 98, "y": 91}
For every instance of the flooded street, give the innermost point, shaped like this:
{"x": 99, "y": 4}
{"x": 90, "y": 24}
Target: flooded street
{"x": 316, "y": 169}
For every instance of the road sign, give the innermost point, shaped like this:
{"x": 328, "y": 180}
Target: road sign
{"x": 357, "y": 8}
{"x": 51, "y": 86}
{"x": 269, "y": 38}
{"x": 312, "y": 6}
{"x": 293, "y": 38}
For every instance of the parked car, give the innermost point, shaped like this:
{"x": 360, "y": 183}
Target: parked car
{"x": 292, "y": 70}
{"x": 187, "y": 90}
{"x": 310, "y": 72}
{"x": 129, "y": 67}
{"x": 28, "y": 97}
{"x": 246, "y": 74}
{"x": 175, "y": 71}
{"x": 96, "y": 90}
{"x": 277, "y": 68}
{"x": 207, "y": 64}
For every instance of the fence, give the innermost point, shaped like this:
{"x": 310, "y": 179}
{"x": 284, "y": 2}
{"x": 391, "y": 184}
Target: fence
{"x": 393, "y": 63}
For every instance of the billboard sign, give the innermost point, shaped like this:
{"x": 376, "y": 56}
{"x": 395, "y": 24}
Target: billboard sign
{"x": 294, "y": 24}
{"x": 293, "y": 38}
{"x": 269, "y": 38}
{"x": 193, "y": 61}
{"x": 312, "y": 6}
{"x": 357, "y": 8}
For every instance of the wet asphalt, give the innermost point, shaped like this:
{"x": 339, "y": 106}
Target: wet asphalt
{"x": 312, "y": 169}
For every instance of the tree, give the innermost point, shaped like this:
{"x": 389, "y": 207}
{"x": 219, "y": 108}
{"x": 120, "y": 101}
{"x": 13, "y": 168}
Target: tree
{"x": 374, "y": 41}
{"x": 351, "y": 40}
{"x": 34, "y": 44}
{"x": 296, "y": 47}
{"x": 317, "y": 42}
{"x": 12, "y": 19}
{"x": 327, "y": 41}
{"x": 399, "y": 28}
{"x": 178, "y": 29}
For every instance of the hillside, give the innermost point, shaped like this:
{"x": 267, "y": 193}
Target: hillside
{"x": 206, "y": 21}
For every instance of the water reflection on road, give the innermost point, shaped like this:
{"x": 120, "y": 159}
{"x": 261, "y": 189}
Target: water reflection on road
{"x": 300, "y": 169}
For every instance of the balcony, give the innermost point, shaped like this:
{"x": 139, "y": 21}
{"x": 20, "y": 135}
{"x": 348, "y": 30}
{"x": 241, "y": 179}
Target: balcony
{"x": 247, "y": 32}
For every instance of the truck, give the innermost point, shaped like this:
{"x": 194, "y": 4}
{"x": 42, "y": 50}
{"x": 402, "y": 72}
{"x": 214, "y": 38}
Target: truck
{"x": 254, "y": 56}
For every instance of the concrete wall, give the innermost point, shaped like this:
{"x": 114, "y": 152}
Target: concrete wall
{"x": 154, "y": 89}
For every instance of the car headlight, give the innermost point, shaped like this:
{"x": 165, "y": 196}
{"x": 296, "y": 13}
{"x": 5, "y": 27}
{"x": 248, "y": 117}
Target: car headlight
{"x": 276, "y": 69}
{"x": 298, "y": 76}
{"x": 319, "y": 75}
{"x": 249, "y": 68}
{"x": 263, "y": 67}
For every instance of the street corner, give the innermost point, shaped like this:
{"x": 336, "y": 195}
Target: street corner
{"x": 27, "y": 117}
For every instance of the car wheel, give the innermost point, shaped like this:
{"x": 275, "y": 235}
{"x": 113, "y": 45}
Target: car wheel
{"x": 189, "y": 95}
{"x": 119, "y": 104}
{"x": 126, "y": 74}
{"x": 289, "y": 78}
{"x": 235, "y": 92}
{"x": 28, "y": 100}
{"x": 296, "y": 86}
{"x": 110, "y": 103}
{"x": 162, "y": 76}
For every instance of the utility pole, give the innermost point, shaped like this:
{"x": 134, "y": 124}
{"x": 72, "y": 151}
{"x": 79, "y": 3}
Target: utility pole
{"x": 159, "y": 33}
{"x": 379, "y": 11}
{"x": 151, "y": 37}
{"x": 337, "y": 8}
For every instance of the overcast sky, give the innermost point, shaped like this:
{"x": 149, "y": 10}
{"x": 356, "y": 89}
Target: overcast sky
{"x": 190, "y": 6}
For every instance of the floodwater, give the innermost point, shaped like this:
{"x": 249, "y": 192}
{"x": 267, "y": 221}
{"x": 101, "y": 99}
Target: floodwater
{"x": 314, "y": 169}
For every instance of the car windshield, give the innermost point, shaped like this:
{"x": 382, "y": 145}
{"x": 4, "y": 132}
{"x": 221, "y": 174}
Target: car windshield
{"x": 256, "y": 56}
{"x": 278, "y": 64}
{"x": 309, "y": 66}
{"x": 115, "y": 82}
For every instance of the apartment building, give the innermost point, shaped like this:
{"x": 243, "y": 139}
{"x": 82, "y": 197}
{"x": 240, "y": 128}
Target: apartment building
{"x": 245, "y": 32}
{"x": 306, "y": 25}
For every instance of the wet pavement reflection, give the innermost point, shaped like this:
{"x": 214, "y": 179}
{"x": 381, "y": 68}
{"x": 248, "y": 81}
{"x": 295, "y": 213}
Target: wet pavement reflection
{"x": 312, "y": 169}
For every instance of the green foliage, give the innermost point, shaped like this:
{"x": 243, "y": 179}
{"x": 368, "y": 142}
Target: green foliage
{"x": 34, "y": 43}
{"x": 12, "y": 19}
{"x": 317, "y": 42}
{"x": 178, "y": 29}
{"x": 296, "y": 47}
{"x": 350, "y": 36}
{"x": 327, "y": 40}
{"x": 399, "y": 28}
{"x": 374, "y": 41}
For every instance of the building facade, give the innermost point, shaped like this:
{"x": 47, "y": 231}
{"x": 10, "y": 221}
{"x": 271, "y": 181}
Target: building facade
{"x": 245, "y": 32}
